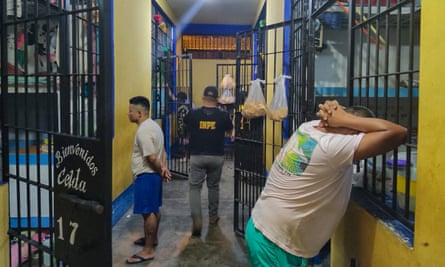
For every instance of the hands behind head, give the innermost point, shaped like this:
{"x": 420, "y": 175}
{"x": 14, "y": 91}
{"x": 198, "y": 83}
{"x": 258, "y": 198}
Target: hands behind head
{"x": 328, "y": 112}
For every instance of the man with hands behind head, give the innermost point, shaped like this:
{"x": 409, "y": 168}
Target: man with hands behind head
{"x": 309, "y": 184}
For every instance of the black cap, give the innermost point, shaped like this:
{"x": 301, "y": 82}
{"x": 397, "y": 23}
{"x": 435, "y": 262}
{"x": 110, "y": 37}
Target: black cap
{"x": 211, "y": 91}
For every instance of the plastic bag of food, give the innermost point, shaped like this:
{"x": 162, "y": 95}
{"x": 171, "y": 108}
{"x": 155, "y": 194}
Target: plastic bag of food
{"x": 228, "y": 82}
{"x": 255, "y": 103}
{"x": 278, "y": 109}
{"x": 228, "y": 86}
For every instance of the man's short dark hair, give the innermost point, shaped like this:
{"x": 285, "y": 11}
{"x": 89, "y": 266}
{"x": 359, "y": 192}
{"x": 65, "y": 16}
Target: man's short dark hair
{"x": 140, "y": 101}
{"x": 360, "y": 111}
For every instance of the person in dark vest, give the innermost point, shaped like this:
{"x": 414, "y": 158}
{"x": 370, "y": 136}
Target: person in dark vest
{"x": 206, "y": 127}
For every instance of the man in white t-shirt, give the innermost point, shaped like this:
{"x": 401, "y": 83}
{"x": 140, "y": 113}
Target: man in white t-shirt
{"x": 309, "y": 184}
{"x": 148, "y": 163}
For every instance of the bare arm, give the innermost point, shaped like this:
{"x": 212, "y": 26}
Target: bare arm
{"x": 165, "y": 171}
{"x": 380, "y": 136}
{"x": 164, "y": 159}
{"x": 160, "y": 166}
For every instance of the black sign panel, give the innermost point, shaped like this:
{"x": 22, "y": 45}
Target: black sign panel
{"x": 82, "y": 226}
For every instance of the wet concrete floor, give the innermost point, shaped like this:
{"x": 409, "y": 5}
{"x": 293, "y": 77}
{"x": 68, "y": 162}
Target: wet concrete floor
{"x": 218, "y": 245}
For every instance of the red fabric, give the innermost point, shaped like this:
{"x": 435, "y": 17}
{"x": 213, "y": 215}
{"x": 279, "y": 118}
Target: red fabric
{"x": 157, "y": 18}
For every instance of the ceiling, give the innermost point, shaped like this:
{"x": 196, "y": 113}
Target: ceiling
{"x": 233, "y": 12}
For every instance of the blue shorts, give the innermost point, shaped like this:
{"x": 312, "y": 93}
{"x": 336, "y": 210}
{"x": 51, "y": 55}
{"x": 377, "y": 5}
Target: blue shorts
{"x": 147, "y": 193}
{"x": 263, "y": 252}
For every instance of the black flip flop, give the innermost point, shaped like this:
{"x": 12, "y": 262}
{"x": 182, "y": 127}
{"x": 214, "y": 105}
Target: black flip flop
{"x": 139, "y": 258}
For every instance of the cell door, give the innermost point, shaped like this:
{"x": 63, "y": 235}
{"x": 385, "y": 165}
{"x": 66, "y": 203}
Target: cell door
{"x": 171, "y": 101}
{"x": 265, "y": 53}
{"x": 56, "y": 127}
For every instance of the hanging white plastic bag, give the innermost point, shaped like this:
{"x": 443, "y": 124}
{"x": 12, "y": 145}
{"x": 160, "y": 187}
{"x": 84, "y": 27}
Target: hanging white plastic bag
{"x": 278, "y": 109}
{"x": 255, "y": 103}
{"x": 228, "y": 85}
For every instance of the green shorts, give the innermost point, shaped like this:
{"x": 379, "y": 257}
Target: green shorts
{"x": 264, "y": 253}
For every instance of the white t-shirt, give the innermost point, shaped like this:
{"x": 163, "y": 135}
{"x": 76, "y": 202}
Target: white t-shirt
{"x": 307, "y": 190}
{"x": 149, "y": 140}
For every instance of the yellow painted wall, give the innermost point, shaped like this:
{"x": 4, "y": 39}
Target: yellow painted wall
{"x": 132, "y": 62}
{"x": 274, "y": 63}
{"x": 4, "y": 218}
{"x": 132, "y": 44}
{"x": 430, "y": 199}
{"x": 367, "y": 239}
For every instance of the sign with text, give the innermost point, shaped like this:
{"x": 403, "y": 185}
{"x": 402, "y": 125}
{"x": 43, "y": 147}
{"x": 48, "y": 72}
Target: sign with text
{"x": 79, "y": 197}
